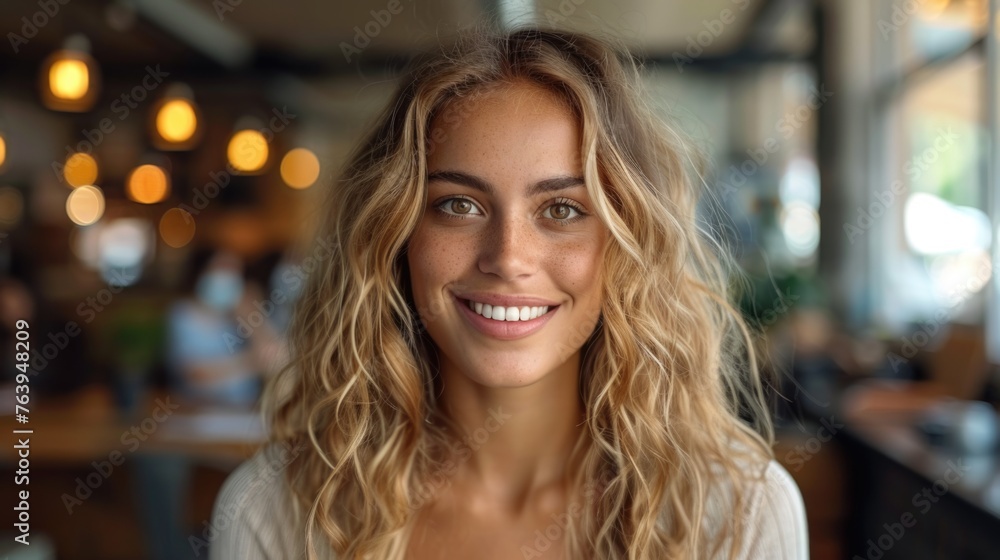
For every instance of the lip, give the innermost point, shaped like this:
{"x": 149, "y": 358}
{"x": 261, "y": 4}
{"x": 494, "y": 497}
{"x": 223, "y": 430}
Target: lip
{"x": 506, "y": 301}
{"x": 502, "y": 330}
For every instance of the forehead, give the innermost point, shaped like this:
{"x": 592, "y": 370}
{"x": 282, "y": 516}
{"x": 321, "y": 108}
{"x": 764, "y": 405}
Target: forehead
{"x": 515, "y": 125}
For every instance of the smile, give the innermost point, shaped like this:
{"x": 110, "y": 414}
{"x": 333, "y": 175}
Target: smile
{"x": 514, "y": 323}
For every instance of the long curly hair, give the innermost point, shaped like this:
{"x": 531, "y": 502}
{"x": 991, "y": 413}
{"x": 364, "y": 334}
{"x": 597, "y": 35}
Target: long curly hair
{"x": 669, "y": 382}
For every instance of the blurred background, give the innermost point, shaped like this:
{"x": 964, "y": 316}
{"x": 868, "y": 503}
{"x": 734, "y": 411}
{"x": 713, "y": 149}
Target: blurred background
{"x": 161, "y": 163}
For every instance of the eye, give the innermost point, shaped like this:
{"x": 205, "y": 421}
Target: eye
{"x": 565, "y": 211}
{"x": 563, "y": 215}
{"x": 459, "y": 207}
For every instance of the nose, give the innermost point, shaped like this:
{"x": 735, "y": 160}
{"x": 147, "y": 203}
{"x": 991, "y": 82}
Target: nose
{"x": 509, "y": 248}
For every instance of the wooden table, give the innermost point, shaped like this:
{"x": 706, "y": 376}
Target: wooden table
{"x": 86, "y": 426}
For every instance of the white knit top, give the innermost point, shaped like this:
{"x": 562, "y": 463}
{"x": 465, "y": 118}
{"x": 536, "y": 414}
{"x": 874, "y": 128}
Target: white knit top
{"x": 254, "y": 517}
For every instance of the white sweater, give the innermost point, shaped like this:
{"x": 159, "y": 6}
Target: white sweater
{"x": 253, "y": 517}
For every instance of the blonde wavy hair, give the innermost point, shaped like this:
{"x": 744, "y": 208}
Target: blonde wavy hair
{"x": 669, "y": 383}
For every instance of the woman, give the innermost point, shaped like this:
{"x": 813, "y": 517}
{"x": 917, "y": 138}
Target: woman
{"x": 521, "y": 346}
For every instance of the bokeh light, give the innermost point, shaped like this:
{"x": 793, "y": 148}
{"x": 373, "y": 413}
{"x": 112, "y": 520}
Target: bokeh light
{"x": 147, "y": 184}
{"x": 124, "y": 243}
{"x": 80, "y": 170}
{"x": 177, "y": 227}
{"x": 176, "y": 121}
{"x": 247, "y": 151}
{"x": 300, "y": 168}
{"x": 69, "y": 79}
{"x": 956, "y": 228}
{"x": 85, "y": 205}
{"x": 800, "y": 227}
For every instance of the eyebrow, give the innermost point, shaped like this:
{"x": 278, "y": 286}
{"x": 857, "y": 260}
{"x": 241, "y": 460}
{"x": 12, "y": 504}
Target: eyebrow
{"x": 559, "y": 183}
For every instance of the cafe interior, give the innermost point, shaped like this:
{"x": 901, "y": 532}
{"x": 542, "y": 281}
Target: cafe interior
{"x": 158, "y": 152}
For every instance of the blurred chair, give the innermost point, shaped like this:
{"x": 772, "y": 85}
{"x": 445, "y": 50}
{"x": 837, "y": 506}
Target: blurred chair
{"x": 958, "y": 365}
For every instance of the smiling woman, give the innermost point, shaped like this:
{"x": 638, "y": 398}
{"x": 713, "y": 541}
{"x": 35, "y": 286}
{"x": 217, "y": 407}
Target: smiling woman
{"x": 522, "y": 345}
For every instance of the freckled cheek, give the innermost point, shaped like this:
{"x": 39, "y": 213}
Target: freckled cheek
{"x": 435, "y": 260}
{"x": 580, "y": 270}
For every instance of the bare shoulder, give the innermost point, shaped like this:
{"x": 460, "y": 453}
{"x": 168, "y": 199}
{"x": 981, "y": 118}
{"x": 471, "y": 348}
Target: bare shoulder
{"x": 254, "y": 516}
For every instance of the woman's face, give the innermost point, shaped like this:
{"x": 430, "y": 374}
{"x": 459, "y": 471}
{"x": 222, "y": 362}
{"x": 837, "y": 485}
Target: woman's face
{"x": 507, "y": 215}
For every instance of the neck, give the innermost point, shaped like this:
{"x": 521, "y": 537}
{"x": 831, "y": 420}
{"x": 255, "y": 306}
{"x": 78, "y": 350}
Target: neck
{"x": 520, "y": 438}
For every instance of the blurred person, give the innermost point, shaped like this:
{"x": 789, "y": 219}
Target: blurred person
{"x": 520, "y": 342}
{"x": 208, "y": 359}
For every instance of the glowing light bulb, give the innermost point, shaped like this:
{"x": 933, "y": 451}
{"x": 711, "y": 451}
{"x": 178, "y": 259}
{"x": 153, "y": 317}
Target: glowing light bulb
{"x": 176, "y": 121}
{"x": 69, "y": 79}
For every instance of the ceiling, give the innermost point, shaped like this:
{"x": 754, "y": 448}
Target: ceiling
{"x": 313, "y": 28}
{"x": 238, "y": 52}
{"x": 309, "y": 36}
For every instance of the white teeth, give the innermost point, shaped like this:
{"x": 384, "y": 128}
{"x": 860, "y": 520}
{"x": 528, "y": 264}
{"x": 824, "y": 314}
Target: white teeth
{"x": 498, "y": 313}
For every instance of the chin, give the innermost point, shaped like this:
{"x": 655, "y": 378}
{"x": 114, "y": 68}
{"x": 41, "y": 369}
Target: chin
{"x": 520, "y": 370}
{"x": 507, "y": 380}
